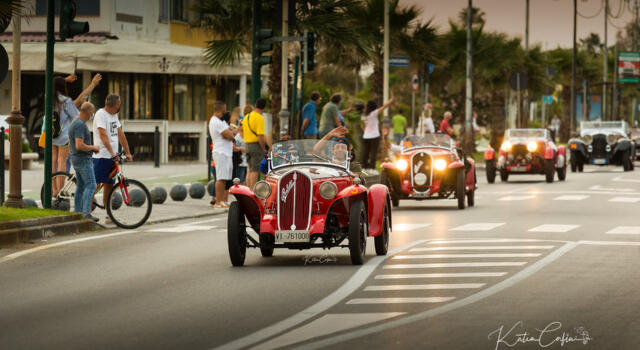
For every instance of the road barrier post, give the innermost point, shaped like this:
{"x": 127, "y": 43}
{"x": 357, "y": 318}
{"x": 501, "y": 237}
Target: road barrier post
{"x": 156, "y": 148}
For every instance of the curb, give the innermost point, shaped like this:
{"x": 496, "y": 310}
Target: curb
{"x": 32, "y": 229}
{"x": 212, "y": 212}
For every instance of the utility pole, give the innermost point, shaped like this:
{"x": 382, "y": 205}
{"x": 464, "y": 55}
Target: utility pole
{"x": 614, "y": 90}
{"x": 468, "y": 100}
{"x": 385, "y": 83}
{"x": 572, "y": 123}
{"x": 526, "y": 31}
{"x": 605, "y": 53}
{"x": 15, "y": 120}
{"x": 284, "y": 82}
{"x": 48, "y": 104}
{"x": 255, "y": 68}
{"x": 634, "y": 109}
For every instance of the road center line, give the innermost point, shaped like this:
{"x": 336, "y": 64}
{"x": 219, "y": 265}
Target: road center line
{"x": 505, "y": 247}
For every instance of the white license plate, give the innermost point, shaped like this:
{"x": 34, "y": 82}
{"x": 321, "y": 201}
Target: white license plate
{"x": 519, "y": 169}
{"x": 292, "y": 236}
{"x": 600, "y": 161}
{"x": 420, "y": 194}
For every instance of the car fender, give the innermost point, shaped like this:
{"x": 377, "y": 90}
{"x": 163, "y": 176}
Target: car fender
{"x": 250, "y": 204}
{"x": 378, "y": 199}
{"x": 455, "y": 165}
{"x": 387, "y": 165}
{"x": 562, "y": 157}
{"x": 549, "y": 153}
{"x": 489, "y": 154}
{"x": 471, "y": 174}
{"x": 622, "y": 145}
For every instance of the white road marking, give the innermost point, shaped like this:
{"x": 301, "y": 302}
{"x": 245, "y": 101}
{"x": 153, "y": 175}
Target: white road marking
{"x": 440, "y": 256}
{"x": 485, "y": 293}
{"x": 361, "y": 301}
{"x": 620, "y": 179}
{"x": 203, "y": 221}
{"x": 466, "y": 264}
{"x": 499, "y": 247}
{"x": 515, "y": 198}
{"x": 576, "y": 197}
{"x": 329, "y": 301}
{"x": 408, "y": 227}
{"x": 625, "y": 199}
{"x": 324, "y": 325}
{"x": 496, "y": 240}
{"x": 181, "y": 229}
{"x": 478, "y": 226}
{"x": 553, "y": 228}
{"x": 614, "y": 243}
{"x": 600, "y": 188}
{"x": 424, "y": 287}
{"x": 439, "y": 275}
{"x": 625, "y": 230}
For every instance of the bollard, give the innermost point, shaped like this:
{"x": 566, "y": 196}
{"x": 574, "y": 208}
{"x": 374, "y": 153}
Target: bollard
{"x": 156, "y": 148}
{"x": 2, "y": 167}
{"x": 208, "y": 158}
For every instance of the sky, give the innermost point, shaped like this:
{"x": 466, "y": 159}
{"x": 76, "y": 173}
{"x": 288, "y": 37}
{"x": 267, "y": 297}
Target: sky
{"x": 550, "y": 21}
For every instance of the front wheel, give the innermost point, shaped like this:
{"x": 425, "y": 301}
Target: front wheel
{"x": 562, "y": 173}
{"x": 236, "y": 235}
{"x": 491, "y": 171}
{"x": 460, "y": 189}
{"x": 266, "y": 245}
{"x": 382, "y": 241}
{"x": 357, "y": 232}
{"x": 129, "y": 204}
{"x": 64, "y": 198}
{"x": 548, "y": 170}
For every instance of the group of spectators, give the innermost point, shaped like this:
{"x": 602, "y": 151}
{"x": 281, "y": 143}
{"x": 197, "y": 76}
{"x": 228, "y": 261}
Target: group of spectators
{"x": 93, "y": 161}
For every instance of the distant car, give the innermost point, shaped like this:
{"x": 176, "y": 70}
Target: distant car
{"x": 430, "y": 167}
{"x": 526, "y": 151}
{"x": 309, "y": 199}
{"x": 603, "y": 143}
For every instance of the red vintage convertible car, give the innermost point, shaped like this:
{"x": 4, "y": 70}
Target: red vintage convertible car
{"x": 430, "y": 167}
{"x": 309, "y": 199}
{"x": 526, "y": 151}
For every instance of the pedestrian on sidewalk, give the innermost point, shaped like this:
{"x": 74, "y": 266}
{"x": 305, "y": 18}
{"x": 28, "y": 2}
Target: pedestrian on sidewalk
{"x": 253, "y": 127}
{"x": 222, "y": 136}
{"x": 399, "y": 123}
{"x": 555, "y": 127}
{"x": 108, "y": 135}
{"x": 371, "y": 135}
{"x": 309, "y": 117}
{"x": 426, "y": 126}
{"x": 239, "y": 150}
{"x": 81, "y": 150}
{"x": 330, "y": 117}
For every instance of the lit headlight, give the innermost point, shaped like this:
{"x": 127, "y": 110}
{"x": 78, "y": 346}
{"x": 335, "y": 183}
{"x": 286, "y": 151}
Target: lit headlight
{"x": 587, "y": 139}
{"x": 440, "y": 164}
{"x": 532, "y": 146}
{"x": 420, "y": 179}
{"x": 402, "y": 164}
{"x": 611, "y": 138}
{"x": 506, "y": 146}
{"x": 262, "y": 189}
{"x": 328, "y": 190}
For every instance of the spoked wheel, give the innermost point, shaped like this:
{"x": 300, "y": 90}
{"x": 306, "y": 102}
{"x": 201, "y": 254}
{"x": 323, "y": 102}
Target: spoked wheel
{"x": 491, "y": 171}
{"x": 236, "y": 235}
{"x": 548, "y": 170}
{"x": 266, "y": 244}
{"x": 460, "y": 189}
{"x": 129, "y": 204}
{"x": 64, "y": 198}
{"x": 382, "y": 241}
{"x": 357, "y": 232}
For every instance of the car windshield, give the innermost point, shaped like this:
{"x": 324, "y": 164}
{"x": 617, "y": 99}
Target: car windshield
{"x": 440, "y": 140}
{"x": 619, "y": 127}
{"x": 309, "y": 151}
{"x": 527, "y": 134}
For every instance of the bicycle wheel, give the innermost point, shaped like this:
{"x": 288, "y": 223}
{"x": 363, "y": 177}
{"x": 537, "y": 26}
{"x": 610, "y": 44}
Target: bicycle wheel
{"x": 64, "y": 198}
{"x": 129, "y": 203}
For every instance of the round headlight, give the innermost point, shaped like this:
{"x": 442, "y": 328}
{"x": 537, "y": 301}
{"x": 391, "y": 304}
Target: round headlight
{"x": 611, "y": 138}
{"x": 328, "y": 190}
{"x": 506, "y": 146}
{"x": 587, "y": 139}
{"x": 402, "y": 164}
{"x": 262, "y": 189}
{"x": 420, "y": 179}
{"x": 440, "y": 164}
{"x": 532, "y": 146}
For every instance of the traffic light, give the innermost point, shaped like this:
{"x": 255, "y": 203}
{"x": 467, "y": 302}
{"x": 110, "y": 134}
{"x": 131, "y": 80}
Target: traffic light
{"x": 310, "y": 52}
{"x": 68, "y": 27}
{"x": 262, "y": 46}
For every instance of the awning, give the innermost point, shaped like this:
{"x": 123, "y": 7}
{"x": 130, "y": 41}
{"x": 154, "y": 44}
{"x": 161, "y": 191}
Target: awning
{"x": 124, "y": 56}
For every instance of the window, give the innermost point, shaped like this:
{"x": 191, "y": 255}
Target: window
{"x": 179, "y": 9}
{"x": 189, "y": 98}
{"x": 83, "y": 7}
{"x": 163, "y": 16}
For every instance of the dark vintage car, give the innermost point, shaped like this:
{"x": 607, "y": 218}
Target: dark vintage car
{"x": 603, "y": 143}
{"x": 526, "y": 151}
{"x": 309, "y": 199}
{"x": 430, "y": 167}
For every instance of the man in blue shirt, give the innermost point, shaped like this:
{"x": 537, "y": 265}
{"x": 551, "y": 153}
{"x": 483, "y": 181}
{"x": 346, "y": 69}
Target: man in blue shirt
{"x": 309, "y": 118}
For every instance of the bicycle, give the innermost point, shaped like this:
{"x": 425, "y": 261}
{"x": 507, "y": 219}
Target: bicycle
{"x": 132, "y": 193}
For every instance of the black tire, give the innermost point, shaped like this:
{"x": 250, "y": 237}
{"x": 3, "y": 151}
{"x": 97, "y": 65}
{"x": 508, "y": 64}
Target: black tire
{"x": 562, "y": 173}
{"x": 574, "y": 163}
{"x": 471, "y": 201}
{"x": 633, "y": 166}
{"x": 491, "y": 171}
{"x": 504, "y": 175}
{"x": 266, "y": 245}
{"x": 384, "y": 179}
{"x": 626, "y": 161}
{"x": 357, "y": 232}
{"x": 68, "y": 195}
{"x": 395, "y": 201}
{"x": 460, "y": 188}
{"x": 382, "y": 241}
{"x": 549, "y": 171}
{"x": 236, "y": 235}
{"x": 136, "y": 214}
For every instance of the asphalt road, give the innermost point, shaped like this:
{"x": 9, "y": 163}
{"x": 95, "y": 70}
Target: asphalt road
{"x": 531, "y": 266}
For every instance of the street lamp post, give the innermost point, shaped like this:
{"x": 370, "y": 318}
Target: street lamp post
{"x": 468, "y": 132}
{"x": 573, "y": 69}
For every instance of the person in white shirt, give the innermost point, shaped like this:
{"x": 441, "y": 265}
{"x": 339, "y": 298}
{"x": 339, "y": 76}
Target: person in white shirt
{"x": 107, "y": 135}
{"x": 223, "y": 139}
{"x": 426, "y": 125}
{"x": 371, "y": 135}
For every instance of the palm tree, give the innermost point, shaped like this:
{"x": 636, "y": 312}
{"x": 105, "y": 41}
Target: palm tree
{"x": 8, "y": 8}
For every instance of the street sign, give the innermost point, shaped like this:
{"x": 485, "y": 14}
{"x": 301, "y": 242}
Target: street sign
{"x": 547, "y": 99}
{"x": 415, "y": 82}
{"x": 399, "y": 61}
{"x": 430, "y": 68}
{"x": 518, "y": 78}
{"x": 629, "y": 67}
